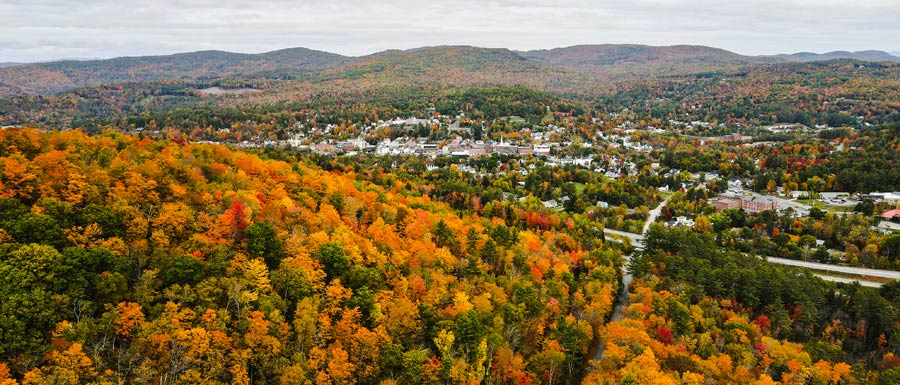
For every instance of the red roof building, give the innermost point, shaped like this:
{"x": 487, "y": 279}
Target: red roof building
{"x": 891, "y": 214}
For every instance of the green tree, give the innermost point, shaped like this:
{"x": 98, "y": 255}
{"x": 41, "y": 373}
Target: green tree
{"x": 866, "y": 206}
{"x": 262, "y": 242}
{"x": 31, "y": 304}
{"x": 333, "y": 259}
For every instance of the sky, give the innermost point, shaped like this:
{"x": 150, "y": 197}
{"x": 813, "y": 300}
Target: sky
{"x": 40, "y": 30}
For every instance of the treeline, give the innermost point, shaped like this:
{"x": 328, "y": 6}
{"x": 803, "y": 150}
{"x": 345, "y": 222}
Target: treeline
{"x": 834, "y": 93}
{"x": 834, "y": 322}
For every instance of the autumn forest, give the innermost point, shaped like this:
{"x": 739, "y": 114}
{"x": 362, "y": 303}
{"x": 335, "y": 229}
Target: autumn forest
{"x": 450, "y": 215}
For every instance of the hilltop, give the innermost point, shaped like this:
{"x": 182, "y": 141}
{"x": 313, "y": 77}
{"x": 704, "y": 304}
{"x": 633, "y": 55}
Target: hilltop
{"x": 54, "y": 77}
{"x": 625, "y": 57}
{"x": 554, "y": 69}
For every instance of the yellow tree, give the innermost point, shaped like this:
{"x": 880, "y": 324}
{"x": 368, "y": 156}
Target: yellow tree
{"x": 71, "y": 366}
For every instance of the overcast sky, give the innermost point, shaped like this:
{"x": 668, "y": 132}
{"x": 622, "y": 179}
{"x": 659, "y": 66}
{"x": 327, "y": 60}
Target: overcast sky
{"x": 34, "y": 30}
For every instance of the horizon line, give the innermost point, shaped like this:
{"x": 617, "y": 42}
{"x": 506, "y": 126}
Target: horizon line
{"x": 895, "y": 53}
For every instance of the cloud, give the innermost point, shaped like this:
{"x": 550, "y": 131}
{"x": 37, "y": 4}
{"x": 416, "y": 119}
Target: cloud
{"x": 48, "y": 29}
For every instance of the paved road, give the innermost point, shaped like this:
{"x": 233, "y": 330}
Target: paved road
{"x": 890, "y": 274}
{"x": 653, "y": 214}
{"x": 848, "y": 280}
{"x": 637, "y": 240}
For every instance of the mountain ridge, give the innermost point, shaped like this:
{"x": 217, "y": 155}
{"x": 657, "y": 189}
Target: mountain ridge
{"x": 869, "y": 55}
{"x": 54, "y": 77}
{"x": 467, "y": 64}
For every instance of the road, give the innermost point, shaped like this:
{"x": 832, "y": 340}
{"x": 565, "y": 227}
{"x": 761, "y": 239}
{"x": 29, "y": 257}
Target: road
{"x": 653, "y": 214}
{"x": 838, "y": 269}
{"x": 848, "y": 280}
{"x": 637, "y": 240}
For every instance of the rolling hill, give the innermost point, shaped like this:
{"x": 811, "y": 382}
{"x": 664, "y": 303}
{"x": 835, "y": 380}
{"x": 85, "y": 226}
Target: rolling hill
{"x": 642, "y": 59}
{"x": 620, "y": 57}
{"x": 50, "y": 78}
{"x": 876, "y": 56}
{"x": 571, "y": 69}
{"x": 455, "y": 66}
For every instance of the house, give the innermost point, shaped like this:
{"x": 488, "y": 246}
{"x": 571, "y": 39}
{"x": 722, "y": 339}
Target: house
{"x": 798, "y": 194}
{"x": 890, "y": 215}
{"x": 683, "y": 221}
{"x": 583, "y": 162}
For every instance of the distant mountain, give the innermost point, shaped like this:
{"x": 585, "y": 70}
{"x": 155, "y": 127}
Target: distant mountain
{"x": 453, "y": 66}
{"x": 49, "y": 78}
{"x": 8, "y": 64}
{"x": 895, "y": 53}
{"x": 630, "y": 58}
{"x": 858, "y": 55}
{"x": 623, "y": 56}
{"x": 569, "y": 69}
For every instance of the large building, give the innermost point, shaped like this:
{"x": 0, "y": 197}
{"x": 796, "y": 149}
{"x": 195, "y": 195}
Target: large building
{"x": 724, "y": 202}
{"x": 755, "y": 204}
{"x": 750, "y": 204}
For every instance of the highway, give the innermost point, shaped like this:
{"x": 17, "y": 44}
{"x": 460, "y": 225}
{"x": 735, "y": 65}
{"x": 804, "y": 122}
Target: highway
{"x": 838, "y": 269}
{"x": 847, "y": 280}
{"x": 637, "y": 241}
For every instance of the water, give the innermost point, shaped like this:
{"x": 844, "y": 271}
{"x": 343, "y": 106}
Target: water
{"x": 622, "y": 300}
{"x": 618, "y": 311}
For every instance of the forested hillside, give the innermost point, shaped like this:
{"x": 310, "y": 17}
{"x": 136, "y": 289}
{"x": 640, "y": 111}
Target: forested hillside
{"x": 577, "y": 69}
{"x": 833, "y": 93}
{"x": 129, "y": 260}
{"x": 838, "y": 93}
{"x": 136, "y": 261}
{"x": 51, "y": 78}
